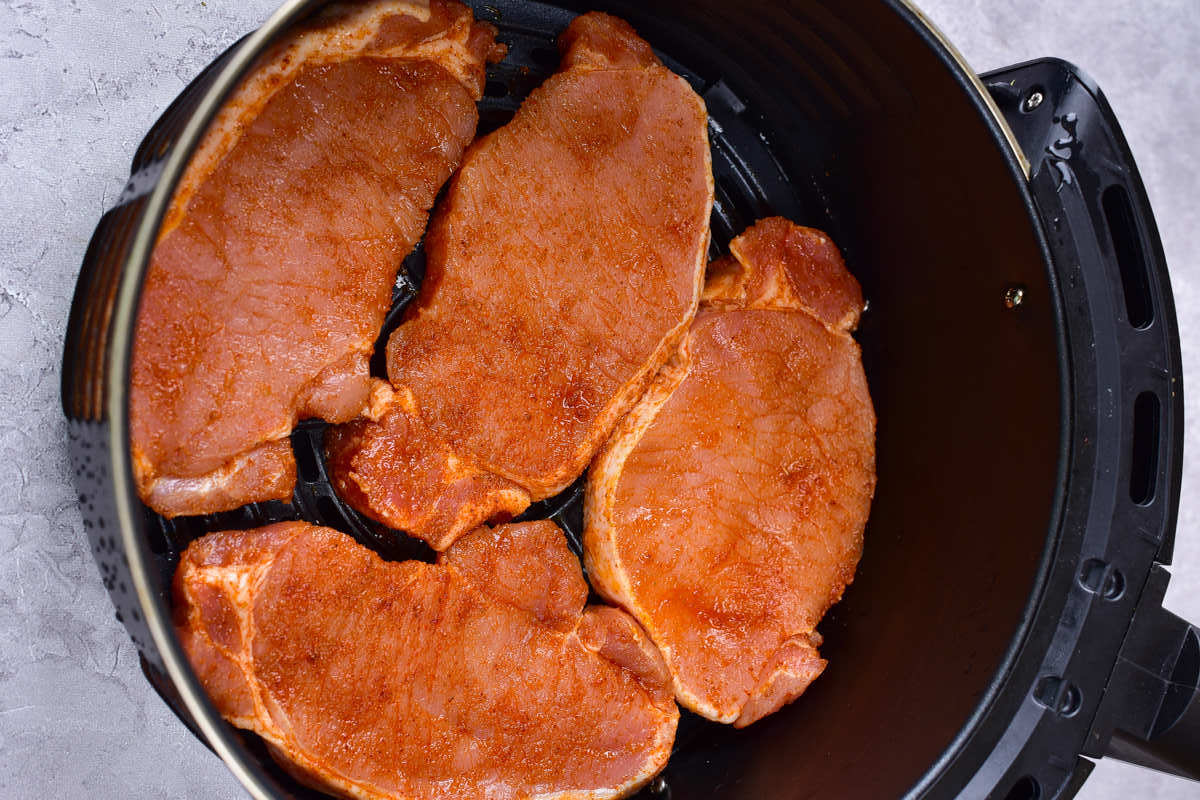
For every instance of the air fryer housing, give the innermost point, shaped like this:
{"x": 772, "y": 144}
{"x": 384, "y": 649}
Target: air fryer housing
{"x": 1021, "y": 347}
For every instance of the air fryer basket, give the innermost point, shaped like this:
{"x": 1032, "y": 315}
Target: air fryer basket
{"x": 1021, "y": 349}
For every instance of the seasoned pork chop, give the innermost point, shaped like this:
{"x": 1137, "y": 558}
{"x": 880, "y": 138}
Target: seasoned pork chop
{"x": 563, "y": 267}
{"x": 275, "y": 264}
{"x": 482, "y": 676}
{"x": 726, "y": 513}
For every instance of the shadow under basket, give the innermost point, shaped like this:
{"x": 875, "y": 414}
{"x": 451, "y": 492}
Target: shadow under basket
{"x": 1005, "y": 624}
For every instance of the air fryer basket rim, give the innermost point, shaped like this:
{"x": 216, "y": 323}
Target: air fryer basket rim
{"x": 128, "y": 508}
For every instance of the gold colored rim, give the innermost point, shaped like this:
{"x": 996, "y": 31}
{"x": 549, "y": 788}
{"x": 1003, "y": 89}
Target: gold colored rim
{"x": 973, "y": 77}
{"x": 122, "y": 328}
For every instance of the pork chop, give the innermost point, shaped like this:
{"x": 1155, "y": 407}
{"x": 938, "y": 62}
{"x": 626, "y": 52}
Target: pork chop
{"x": 275, "y": 263}
{"x": 726, "y": 513}
{"x": 481, "y": 676}
{"x": 564, "y": 266}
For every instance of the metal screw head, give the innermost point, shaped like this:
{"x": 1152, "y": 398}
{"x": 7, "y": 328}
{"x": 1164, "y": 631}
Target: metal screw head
{"x": 1033, "y": 100}
{"x": 1014, "y": 296}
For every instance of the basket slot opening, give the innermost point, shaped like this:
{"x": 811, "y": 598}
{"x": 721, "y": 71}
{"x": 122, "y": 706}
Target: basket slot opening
{"x": 1131, "y": 257}
{"x": 1143, "y": 471}
{"x": 307, "y": 462}
{"x": 330, "y": 513}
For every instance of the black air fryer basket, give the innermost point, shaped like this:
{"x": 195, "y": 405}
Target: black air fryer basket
{"x": 1005, "y": 625}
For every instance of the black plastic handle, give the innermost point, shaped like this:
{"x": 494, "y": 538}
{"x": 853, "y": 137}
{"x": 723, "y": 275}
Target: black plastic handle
{"x": 1119, "y": 316}
{"x": 1152, "y": 714}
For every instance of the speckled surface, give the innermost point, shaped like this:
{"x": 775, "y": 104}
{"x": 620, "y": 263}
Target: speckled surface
{"x": 81, "y": 81}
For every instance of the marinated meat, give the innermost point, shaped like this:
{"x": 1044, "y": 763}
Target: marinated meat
{"x": 274, "y": 267}
{"x": 481, "y": 676}
{"x": 726, "y": 513}
{"x": 564, "y": 266}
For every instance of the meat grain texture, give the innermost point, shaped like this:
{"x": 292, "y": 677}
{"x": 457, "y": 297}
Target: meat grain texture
{"x": 274, "y": 265}
{"x": 564, "y": 266}
{"x": 481, "y": 676}
{"x": 727, "y": 511}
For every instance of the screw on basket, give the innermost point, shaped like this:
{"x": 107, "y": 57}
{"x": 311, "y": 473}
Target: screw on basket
{"x": 1014, "y": 296}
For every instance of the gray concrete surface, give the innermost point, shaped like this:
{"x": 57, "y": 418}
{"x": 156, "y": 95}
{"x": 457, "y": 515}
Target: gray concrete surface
{"x": 81, "y": 80}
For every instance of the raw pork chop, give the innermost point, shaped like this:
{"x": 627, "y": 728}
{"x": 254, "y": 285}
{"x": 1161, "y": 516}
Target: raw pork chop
{"x": 563, "y": 268}
{"x": 726, "y": 513}
{"x": 275, "y": 264}
{"x": 482, "y": 676}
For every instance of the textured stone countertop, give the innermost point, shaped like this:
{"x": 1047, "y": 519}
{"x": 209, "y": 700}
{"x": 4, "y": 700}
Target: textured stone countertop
{"x": 82, "y": 80}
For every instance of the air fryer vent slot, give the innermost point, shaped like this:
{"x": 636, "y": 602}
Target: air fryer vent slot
{"x": 1130, "y": 255}
{"x": 1143, "y": 469}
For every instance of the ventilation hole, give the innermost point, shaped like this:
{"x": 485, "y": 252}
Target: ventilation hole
{"x": 1026, "y": 788}
{"x": 495, "y": 89}
{"x": 160, "y": 543}
{"x": 1131, "y": 258}
{"x": 328, "y": 509}
{"x": 728, "y": 189}
{"x": 307, "y": 460}
{"x": 1143, "y": 472}
{"x": 1184, "y": 679}
{"x": 544, "y": 57}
